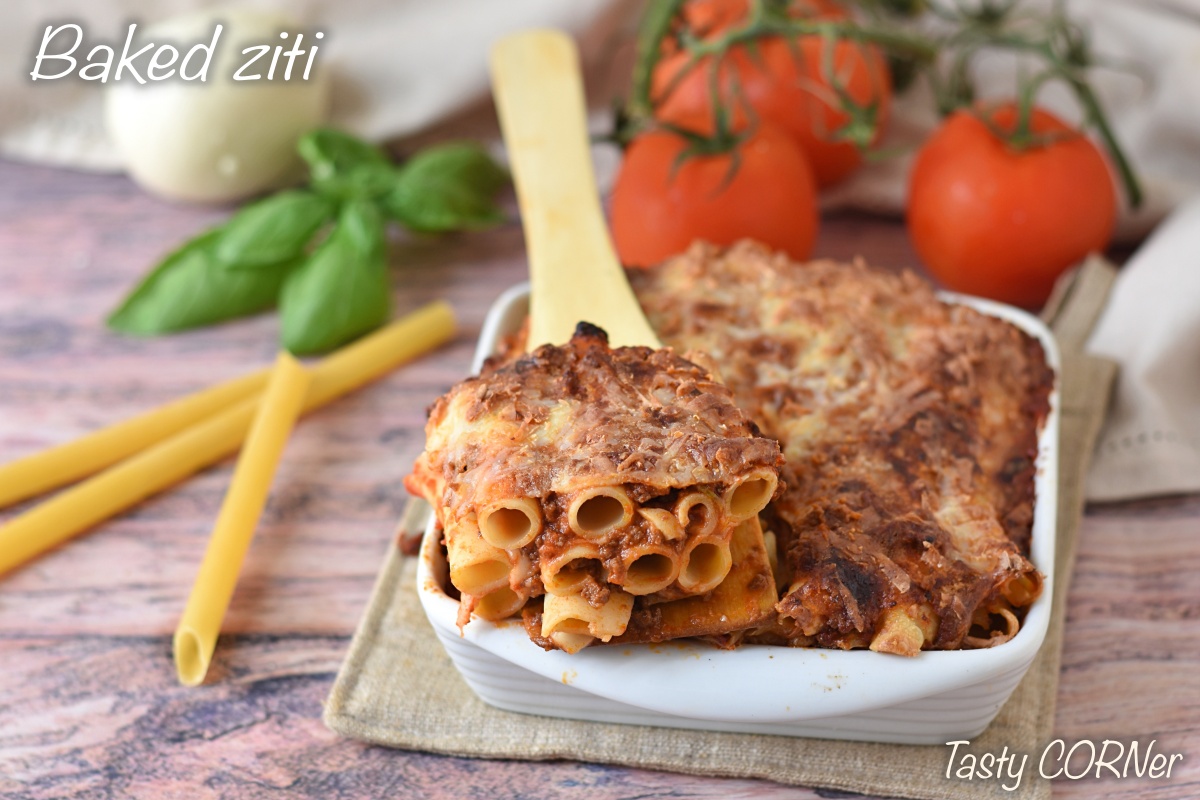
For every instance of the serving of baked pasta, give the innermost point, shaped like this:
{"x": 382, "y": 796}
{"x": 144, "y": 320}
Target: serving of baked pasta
{"x": 910, "y": 431}
{"x": 591, "y": 479}
{"x": 615, "y": 494}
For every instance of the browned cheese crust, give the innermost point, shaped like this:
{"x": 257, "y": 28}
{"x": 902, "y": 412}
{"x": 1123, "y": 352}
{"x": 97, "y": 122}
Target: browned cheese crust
{"x": 568, "y": 418}
{"x": 909, "y": 428}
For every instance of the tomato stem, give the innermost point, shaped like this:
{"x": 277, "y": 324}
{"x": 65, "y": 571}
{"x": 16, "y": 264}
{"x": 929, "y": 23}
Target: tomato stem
{"x": 769, "y": 25}
{"x": 663, "y": 23}
{"x": 656, "y": 23}
{"x": 1061, "y": 46}
{"x": 1091, "y": 105}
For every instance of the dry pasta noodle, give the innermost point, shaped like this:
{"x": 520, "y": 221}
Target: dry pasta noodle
{"x": 476, "y": 566}
{"x": 596, "y": 511}
{"x": 650, "y": 569}
{"x": 512, "y": 523}
{"x": 697, "y": 512}
{"x": 751, "y": 493}
{"x": 565, "y": 572}
{"x": 573, "y": 614}
{"x": 706, "y": 562}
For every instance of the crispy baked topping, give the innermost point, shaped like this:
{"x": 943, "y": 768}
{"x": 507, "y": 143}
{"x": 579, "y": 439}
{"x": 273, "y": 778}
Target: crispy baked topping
{"x": 909, "y": 427}
{"x": 564, "y": 418}
{"x": 599, "y": 478}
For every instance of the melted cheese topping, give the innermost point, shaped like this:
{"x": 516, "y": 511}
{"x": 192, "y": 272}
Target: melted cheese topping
{"x": 563, "y": 426}
{"x": 909, "y": 427}
{"x": 583, "y": 415}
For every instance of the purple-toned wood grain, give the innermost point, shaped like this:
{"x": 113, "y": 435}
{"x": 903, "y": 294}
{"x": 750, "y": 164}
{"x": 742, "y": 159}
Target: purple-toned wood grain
{"x": 89, "y": 706}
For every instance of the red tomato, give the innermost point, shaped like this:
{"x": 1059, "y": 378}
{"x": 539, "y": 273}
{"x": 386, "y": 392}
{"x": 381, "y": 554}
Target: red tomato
{"x": 991, "y": 220}
{"x": 782, "y": 86}
{"x": 660, "y": 205}
{"x": 707, "y": 17}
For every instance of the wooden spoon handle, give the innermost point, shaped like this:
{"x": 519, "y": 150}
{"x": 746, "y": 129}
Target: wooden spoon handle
{"x": 573, "y": 268}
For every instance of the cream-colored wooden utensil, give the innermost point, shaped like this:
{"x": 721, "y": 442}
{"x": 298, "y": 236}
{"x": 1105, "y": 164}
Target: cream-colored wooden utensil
{"x": 574, "y": 270}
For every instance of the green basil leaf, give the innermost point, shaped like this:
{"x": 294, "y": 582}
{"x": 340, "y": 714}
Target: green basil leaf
{"x": 191, "y": 287}
{"x": 342, "y": 166}
{"x": 273, "y": 230}
{"x": 343, "y": 289}
{"x": 446, "y": 188}
{"x": 328, "y": 150}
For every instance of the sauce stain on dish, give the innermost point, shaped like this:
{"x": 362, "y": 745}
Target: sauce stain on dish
{"x": 569, "y": 676}
{"x": 684, "y": 648}
{"x": 835, "y": 678}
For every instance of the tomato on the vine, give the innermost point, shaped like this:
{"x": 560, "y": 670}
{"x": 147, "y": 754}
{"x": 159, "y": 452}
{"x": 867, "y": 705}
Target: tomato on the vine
{"x": 762, "y": 190}
{"x": 1001, "y": 220}
{"x": 708, "y": 17}
{"x": 783, "y": 82}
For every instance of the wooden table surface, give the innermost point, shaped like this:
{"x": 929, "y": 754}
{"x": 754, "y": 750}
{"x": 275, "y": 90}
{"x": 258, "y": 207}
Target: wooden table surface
{"x": 89, "y": 704}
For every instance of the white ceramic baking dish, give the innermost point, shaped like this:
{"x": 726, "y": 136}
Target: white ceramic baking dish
{"x": 930, "y": 699}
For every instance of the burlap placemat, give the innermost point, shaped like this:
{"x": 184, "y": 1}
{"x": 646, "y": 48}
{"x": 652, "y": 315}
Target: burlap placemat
{"x": 397, "y": 686}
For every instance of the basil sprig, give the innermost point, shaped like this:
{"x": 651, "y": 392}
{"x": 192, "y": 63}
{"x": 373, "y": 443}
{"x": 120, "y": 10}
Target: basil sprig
{"x": 319, "y": 253}
{"x": 192, "y": 287}
{"x": 351, "y": 266}
{"x": 446, "y": 188}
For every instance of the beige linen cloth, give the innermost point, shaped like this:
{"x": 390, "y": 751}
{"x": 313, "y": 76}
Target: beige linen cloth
{"x": 397, "y": 686}
{"x": 1150, "y": 443}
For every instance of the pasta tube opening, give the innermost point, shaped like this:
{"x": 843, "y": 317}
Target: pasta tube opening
{"x": 1022, "y": 590}
{"x": 595, "y": 512}
{"x": 651, "y": 572}
{"x": 697, "y": 513}
{"x": 499, "y": 604}
{"x": 480, "y": 578}
{"x": 572, "y": 614}
{"x": 990, "y": 626}
{"x": 476, "y": 567}
{"x": 751, "y": 494}
{"x": 511, "y": 524}
{"x": 705, "y": 565}
{"x": 565, "y": 574}
{"x": 571, "y": 643}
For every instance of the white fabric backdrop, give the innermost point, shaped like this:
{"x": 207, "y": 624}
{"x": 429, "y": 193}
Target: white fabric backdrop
{"x": 398, "y": 65}
{"x": 402, "y": 65}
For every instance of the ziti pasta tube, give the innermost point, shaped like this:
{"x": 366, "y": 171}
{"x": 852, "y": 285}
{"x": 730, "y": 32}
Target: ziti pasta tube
{"x": 601, "y": 469}
{"x": 150, "y": 471}
{"x": 574, "y": 616}
{"x": 196, "y": 635}
{"x": 476, "y": 566}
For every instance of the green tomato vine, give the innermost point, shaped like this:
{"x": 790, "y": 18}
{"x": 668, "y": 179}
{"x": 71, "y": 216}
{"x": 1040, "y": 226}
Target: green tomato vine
{"x": 939, "y": 41}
